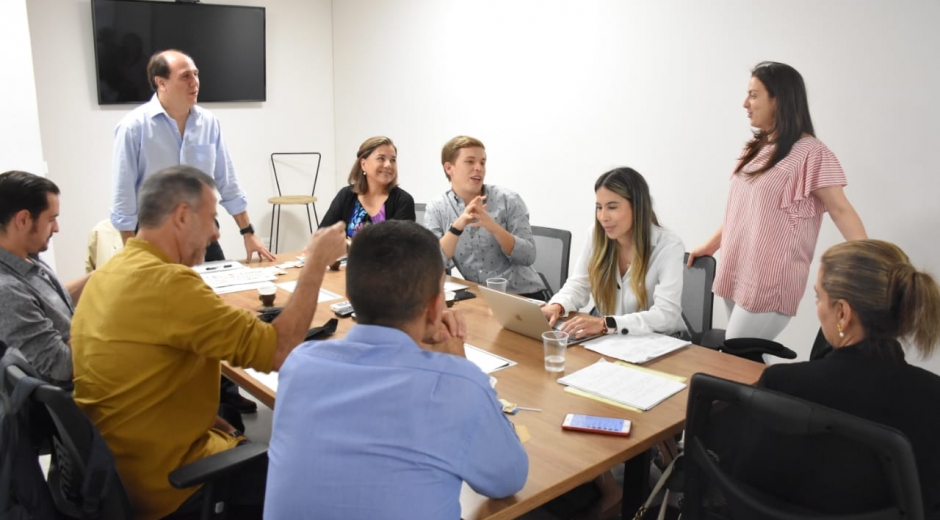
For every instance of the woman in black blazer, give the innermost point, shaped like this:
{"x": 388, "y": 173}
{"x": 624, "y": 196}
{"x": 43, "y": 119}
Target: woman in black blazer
{"x": 868, "y": 296}
{"x": 372, "y": 195}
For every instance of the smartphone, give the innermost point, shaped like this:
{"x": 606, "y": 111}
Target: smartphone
{"x": 592, "y": 424}
{"x": 342, "y": 309}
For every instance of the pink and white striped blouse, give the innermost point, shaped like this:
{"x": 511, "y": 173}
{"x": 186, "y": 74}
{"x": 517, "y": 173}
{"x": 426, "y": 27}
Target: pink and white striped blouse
{"x": 771, "y": 225}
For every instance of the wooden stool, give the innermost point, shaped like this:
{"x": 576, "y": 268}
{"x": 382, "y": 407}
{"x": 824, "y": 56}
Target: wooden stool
{"x": 307, "y": 201}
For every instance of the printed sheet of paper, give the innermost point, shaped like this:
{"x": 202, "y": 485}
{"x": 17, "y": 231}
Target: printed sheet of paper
{"x": 325, "y": 296}
{"x": 635, "y": 348}
{"x": 268, "y": 380}
{"x": 487, "y": 362}
{"x": 623, "y": 384}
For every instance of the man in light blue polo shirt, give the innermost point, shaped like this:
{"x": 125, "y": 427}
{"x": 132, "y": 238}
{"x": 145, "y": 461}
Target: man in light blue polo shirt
{"x": 170, "y": 130}
{"x": 390, "y": 420}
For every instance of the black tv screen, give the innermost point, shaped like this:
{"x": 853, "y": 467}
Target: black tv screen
{"x": 225, "y": 41}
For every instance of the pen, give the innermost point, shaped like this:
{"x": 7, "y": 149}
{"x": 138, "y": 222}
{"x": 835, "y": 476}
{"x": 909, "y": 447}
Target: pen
{"x": 529, "y": 409}
{"x": 226, "y": 266}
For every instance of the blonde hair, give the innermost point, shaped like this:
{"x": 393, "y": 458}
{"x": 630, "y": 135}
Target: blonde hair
{"x": 603, "y": 269}
{"x": 891, "y": 298}
{"x": 452, "y": 149}
{"x": 357, "y": 179}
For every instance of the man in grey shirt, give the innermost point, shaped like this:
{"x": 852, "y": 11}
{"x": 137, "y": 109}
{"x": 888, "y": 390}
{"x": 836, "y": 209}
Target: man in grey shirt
{"x": 483, "y": 229}
{"x": 35, "y": 308}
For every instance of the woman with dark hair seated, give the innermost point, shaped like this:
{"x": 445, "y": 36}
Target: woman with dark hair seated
{"x": 372, "y": 195}
{"x": 869, "y": 298}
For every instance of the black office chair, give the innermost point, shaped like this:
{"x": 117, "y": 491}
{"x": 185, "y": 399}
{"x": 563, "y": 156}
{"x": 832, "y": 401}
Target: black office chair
{"x": 82, "y": 463}
{"x": 735, "y": 432}
{"x": 552, "y": 251}
{"x": 697, "y": 307}
{"x": 82, "y": 481}
{"x": 697, "y": 297}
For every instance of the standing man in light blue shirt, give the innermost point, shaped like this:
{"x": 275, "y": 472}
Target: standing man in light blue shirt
{"x": 389, "y": 421}
{"x": 170, "y": 130}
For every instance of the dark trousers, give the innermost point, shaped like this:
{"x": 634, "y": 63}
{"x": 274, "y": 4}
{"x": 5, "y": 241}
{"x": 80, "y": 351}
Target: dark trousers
{"x": 227, "y": 389}
{"x": 244, "y": 499}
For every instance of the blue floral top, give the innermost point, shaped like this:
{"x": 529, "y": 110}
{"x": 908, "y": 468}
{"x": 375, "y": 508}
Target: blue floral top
{"x": 360, "y": 218}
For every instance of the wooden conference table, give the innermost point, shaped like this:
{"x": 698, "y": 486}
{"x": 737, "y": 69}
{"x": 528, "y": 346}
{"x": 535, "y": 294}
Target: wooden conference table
{"x": 558, "y": 461}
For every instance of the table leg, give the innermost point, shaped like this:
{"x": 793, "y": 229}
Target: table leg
{"x": 636, "y": 485}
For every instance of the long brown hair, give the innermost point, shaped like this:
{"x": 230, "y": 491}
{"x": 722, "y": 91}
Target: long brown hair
{"x": 603, "y": 269}
{"x": 893, "y": 300}
{"x": 357, "y": 179}
{"x": 791, "y": 117}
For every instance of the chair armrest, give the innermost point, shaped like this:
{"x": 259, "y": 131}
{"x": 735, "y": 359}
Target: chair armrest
{"x": 204, "y": 470}
{"x": 739, "y": 346}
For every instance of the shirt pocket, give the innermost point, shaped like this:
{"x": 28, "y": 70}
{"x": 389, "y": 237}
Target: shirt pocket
{"x": 203, "y": 158}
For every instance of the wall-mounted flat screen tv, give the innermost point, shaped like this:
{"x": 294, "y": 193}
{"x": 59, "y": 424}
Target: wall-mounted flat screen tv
{"x": 225, "y": 41}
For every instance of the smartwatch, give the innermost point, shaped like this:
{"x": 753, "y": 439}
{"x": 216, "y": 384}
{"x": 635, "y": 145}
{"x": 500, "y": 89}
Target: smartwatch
{"x": 611, "y": 324}
{"x": 455, "y": 231}
{"x": 246, "y": 230}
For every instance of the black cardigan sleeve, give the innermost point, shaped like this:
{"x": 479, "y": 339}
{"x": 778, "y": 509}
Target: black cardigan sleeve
{"x": 400, "y": 205}
{"x": 338, "y": 208}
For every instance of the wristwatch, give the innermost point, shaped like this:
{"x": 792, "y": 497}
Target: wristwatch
{"x": 610, "y": 325}
{"x": 246, "y": 230}
{"x": 455, "y": 231}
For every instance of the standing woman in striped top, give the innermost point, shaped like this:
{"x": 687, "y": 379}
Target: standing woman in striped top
{"x": 784, "y": 181}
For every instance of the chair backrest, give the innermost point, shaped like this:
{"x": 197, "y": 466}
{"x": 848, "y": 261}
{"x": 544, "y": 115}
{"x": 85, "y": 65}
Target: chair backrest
{"x": 316, "y": 173}
{"x": 82, "y": 478}
{"x": 104, "y": 241}
{"x": 552, "y": 250}
{"x": 697, "y": 297}
{"x": 852, "y": 468}
{"x": 420, "y": 208}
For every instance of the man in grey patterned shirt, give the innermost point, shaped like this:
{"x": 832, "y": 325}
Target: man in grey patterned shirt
{"x": 35, "y": 308}
{"x": 483, "y": 229}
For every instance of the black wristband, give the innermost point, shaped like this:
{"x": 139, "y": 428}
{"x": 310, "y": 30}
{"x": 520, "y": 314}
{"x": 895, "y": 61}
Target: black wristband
{"x": 455, "y": 231}
{"x": 246, "y": 230}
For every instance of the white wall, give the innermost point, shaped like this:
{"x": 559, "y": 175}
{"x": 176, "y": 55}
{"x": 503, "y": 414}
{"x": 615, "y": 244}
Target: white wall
{"x": 77, "y": 132}
{"x": 562, "y": 91}
{"x": 20, "y": 140}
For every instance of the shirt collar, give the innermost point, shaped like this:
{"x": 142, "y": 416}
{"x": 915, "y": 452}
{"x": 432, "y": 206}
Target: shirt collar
{"x": 378, "y": 335}
{"x": 155, "y": 108}
{"x": 137, "y": 243}
{"x": 17, "y": 264}
{"x": 451, "y": 193}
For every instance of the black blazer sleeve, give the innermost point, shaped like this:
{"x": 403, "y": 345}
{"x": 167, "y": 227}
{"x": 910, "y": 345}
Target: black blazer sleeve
{"x": 400, "y": 205}
{"x": 337, "y": 211}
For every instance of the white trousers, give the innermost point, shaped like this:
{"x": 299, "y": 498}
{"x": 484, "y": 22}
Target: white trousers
{"x": 743, "y": 323}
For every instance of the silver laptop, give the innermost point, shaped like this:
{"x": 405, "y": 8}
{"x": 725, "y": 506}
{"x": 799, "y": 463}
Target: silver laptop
{"x": 521, "y": 315}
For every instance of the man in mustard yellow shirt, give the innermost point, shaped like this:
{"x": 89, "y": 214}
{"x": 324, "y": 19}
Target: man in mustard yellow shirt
{"x": 148, "y": 337}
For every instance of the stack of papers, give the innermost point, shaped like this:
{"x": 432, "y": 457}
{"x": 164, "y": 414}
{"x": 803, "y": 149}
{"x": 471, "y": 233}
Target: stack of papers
{"x": 635, "y": 348}
{"x": 228, "y": 277}
{"x": 632, "y": 387}
{"x": 487, "y": 362}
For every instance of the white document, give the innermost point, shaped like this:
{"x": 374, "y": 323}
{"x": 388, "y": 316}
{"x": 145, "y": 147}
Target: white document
{"x": 218, "y": 266}
{"x": 239, "y": 288}
{"x": 626, "y": 385}
{"x": 233, "y": 276}
{"x": 635, "y": 348}
{"x": 324, "y": 296}
{"x": 268, "y": 380}
{"x": 487, "y": 362}
{"x": 454, "y": 287}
